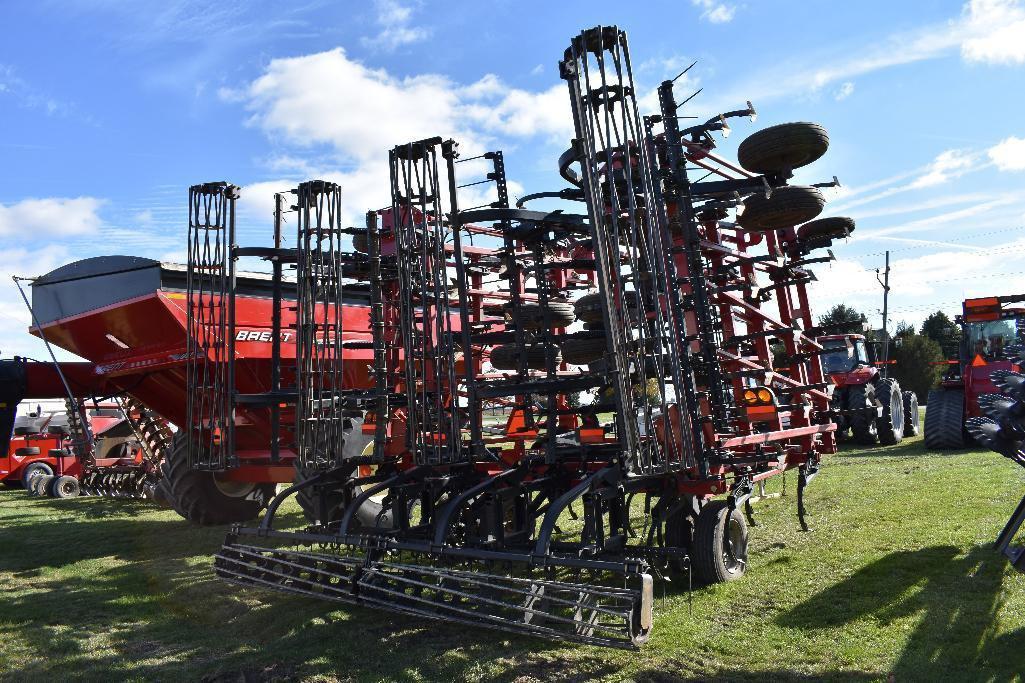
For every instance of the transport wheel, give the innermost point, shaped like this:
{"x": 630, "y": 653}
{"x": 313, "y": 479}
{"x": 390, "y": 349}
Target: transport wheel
{"x": 788, "y": 206}
{"x": 507, "y": 356}
{"x": 532, "y": 316}
{"x": 41, "y": 484}
{"x": 361, "y": 241}
{"x": 720, "y": 544}
{"x": 944, "y": 419}
{"x": 783, "y": 147}
{"x": 202, "y": 498}
{"x": 863, "y": 424}
{"x": 912, "y": 420}
{"x": 583, "y": 348}
{"x": 890, "y": 425}
{"x": 679, "y": 532}
{"x": 33, "y": 470}
{"x": 834, "y": 227}
{"x": 588, "y": 309}
{"x": 371, "y": 514}
{"x": 64, "y": 487}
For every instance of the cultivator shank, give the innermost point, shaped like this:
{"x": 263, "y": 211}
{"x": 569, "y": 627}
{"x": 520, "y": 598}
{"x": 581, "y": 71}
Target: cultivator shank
{"x": 639, "y": 295}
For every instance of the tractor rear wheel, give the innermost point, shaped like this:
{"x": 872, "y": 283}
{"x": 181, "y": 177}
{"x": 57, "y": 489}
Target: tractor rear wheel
{"x": 370, "y": 514}
{"x": 33, "y": 470}
{"x": 863, "y": 423}
{"x": 944, "y": 419}
{"x": 890, "y": 424}
{"x": 720, "y": 544}
{"x": 200, "y": 497}
{"x": 912, "y": 420}
{"x": 64, "y": 487}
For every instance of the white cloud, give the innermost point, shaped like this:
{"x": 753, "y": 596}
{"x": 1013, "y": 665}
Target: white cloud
{"x": 50, "y": 216}
{"x": 997, "y": 29}
{"x": 949, "y": 164}
{"x": 1008, "y": 154}
{"x": 715, "y": 12}
{"x": 394, "y": 20}
{"x": 845, "y": 91}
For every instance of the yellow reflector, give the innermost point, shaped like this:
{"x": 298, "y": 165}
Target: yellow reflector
{"x": 765, "y": 396}
{"x": 750, "y": 396}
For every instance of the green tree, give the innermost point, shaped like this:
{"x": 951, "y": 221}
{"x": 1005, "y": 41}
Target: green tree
{"x": 915, "y": 359}
{"x": 903, "y": 330}
{"x": 842, "y": 319}
{"x": 944, "y": 331}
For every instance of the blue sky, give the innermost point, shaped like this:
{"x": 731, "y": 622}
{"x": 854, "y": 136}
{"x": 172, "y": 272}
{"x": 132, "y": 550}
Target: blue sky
{"x": 110, "y": 110}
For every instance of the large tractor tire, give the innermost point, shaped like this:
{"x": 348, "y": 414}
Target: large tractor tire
{"x": 202, "y": 498}
{"x": 863, "y": 424}
{"x": 890, "y": 425}
{"x": 720, "y": 544}
{"x": 370, "y": 514}
{"x": 788, "y": 206}
{"x": 33, "y": 470}
{"x": 944, "y": 420}
{"x": 912, "y": 420}
{"x": 64, "y": 487}
{"x": 783, "y": 147}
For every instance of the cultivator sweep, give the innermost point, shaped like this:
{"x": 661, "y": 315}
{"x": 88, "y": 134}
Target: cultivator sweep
{"x": 645, "y": 299}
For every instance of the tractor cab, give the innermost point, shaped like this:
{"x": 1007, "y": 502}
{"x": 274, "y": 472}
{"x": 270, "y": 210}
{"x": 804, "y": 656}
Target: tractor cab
{"x": 847, "y": 359}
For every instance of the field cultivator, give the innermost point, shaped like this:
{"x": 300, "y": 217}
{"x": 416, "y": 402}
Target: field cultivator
{"x": 637, "y": 292}
{"x": 113, "y": 447}
{"x": 1001, "y": 428}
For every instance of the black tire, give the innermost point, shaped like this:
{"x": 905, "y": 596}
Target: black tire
{"x": 588, "y": 309}
{"x": 679, "y": 532}
{"x": 944, "y": 419}
{"x": 26, "y": 451}
{"x": 890, "y": 425}
{"x": 788, "y": 206}
{"x": 507, "y": 356}
{"x": 361, "y": 241}
{"x": 33, "y": 470}
{"x": 370, "y": 514}
{"x": 64, "y": 487}
{"x": 24, "y": 431}
{"x": 863, "y": 424}
{"x": 41, "y": 484}
{"x": 912, "y": 420}
{"x": 581, "y": 349}
{"x": 201, "y": 498}
{"x": 720, "y": 544}
{"x": 783, "y": 147}
{"x": 531, "y": 316}
{"x": 834, "y": 227}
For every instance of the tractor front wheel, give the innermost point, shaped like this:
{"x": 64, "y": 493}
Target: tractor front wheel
{"x": 912, "y": 420}
{"x": 720, "y": 544}
{"x": 890, "y": 424}
{"x": 200, "y": 497}
{"x": 944, "y": 419}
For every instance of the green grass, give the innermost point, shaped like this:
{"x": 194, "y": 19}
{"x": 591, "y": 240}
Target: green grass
{"x": 897, "y": 576}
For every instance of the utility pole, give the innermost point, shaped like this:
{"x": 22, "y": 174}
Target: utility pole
{"x": 885, "y": 282}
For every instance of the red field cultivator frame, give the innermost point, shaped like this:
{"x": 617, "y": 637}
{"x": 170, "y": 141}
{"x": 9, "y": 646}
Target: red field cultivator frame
{"x": 555, "y": 522}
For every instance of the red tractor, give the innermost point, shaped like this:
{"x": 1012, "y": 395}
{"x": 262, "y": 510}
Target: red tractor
{"x": 867, "y": 405}
{"x": 988, "y": 326}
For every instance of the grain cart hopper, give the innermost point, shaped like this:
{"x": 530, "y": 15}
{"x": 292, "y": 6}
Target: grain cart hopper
{"x": 637, "y": 290}
{"x": 866, "y": 404}
{"x": 988, "y": 326}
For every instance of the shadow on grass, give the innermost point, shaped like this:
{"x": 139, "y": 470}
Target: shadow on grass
{"x": 902, "y": 450}
{"x": 955, "y": 599}
{"x": 655, "y": 676}
{"x": 144, "y": 604}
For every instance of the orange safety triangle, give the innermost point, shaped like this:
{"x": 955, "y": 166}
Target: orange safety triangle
{"x": 978, "y": 361}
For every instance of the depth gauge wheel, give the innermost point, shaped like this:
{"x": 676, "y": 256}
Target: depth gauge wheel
{"x": 786, "y": 207}
{"x": 720, "y": 544}
{"x": 783, "y": 147}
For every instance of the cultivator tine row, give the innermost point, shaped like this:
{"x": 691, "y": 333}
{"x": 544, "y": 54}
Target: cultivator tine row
{"x": 210, "y": 363}
{"x": 1003, "y": 430}
{"x": 577, "y": 612}
{"x": 645, "y": 299}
